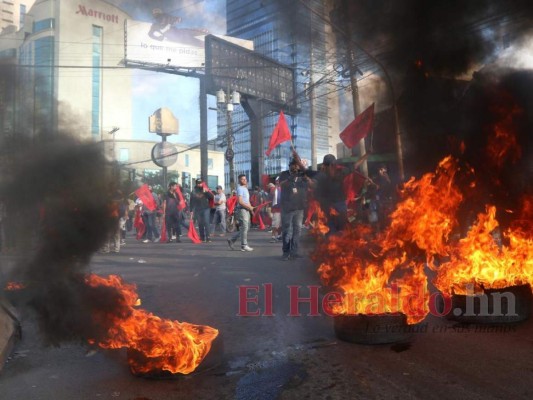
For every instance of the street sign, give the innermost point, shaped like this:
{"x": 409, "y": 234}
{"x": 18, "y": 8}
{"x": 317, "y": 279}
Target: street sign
{"x": 229, "y": 154}
{"x": 164, "y": 154}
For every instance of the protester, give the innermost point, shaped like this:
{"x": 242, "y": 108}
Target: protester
{"x": 330, "y": 190}
{"x": 294, "y": 185}
{"x": 220, "y": 211}
{"x": 242, "y": 211}
{"x": 149, "y": 219}
{"x": 171, "y": 210}
{"x": 275, "y": 210}
{"x": 200, "y": 197}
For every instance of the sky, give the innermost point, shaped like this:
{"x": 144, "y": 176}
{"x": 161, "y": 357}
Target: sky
{"x": 153, "y": 90}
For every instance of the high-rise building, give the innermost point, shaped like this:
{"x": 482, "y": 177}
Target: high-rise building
{"x": 290, "y": 34}
{"x": 13, "y": 14}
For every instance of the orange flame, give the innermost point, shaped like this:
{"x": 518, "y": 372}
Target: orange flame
{"x": 384, "y": 273}
{"x": 503, "y": 144}
{"x": 480, "y": 260}
{"x": 164, "y": 345}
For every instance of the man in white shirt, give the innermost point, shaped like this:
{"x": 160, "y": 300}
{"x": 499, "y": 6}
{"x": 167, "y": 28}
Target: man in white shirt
{"x": 242, "y": 212}
{"x": 220, "y": 211}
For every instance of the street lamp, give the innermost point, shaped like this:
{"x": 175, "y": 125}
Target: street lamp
{"x": 112, "y": 132}
{"x": 226, "y": 103}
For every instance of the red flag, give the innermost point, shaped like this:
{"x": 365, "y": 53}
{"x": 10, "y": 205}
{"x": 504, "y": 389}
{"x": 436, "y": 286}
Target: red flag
{"x": 146, "y": 197}
{"x": 231, "y": 203}
{"x": 265, "y": 180}
{"x": 256, "y": 218}
{"x": 280, "y": 134}
{"x": 163, "y": 238}
{"x": 359, "y": 128}
{"x": 139, "y": 224}
{"x": 182, "y": 204}
{"x": 212, "y": 199}
{"x": 353, "y": 184}
{"x": 193, "y": 235}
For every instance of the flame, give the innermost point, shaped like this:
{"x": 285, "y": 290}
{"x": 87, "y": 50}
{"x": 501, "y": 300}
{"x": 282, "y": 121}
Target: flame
{"x": 480, "y": 260}
{"x": 384, "y": 273}
{"x": 502, "y": 144}
{"x": 161, "y": 344}
{"x": 15, "y": 286}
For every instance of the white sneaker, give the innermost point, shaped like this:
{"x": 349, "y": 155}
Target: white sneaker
{"x": 246, "y": 248}
{"x": 146, "y": 241}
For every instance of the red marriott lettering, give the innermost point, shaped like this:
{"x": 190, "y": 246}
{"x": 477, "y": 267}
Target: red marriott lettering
{"x": 89, "y": 12}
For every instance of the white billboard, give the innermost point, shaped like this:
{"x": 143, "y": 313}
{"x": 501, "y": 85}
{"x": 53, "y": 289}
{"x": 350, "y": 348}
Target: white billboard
{"x": 153, "y": 43}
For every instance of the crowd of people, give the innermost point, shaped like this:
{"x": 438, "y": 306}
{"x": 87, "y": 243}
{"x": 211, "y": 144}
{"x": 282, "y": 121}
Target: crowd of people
{"x": 282, "y": 208}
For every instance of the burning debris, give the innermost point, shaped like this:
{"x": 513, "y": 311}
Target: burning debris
{"x": 153, "y": 343}
{"x": 470, "y": 222}
{"x": 63, "y": 192}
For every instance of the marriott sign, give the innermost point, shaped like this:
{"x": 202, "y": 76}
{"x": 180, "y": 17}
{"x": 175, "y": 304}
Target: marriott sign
{"x": 89, "y": 12}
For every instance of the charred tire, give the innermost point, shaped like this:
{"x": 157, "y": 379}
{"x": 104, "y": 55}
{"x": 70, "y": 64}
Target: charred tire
{"x": 372, "y": 329}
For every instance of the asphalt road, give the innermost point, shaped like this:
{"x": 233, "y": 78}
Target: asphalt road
{"x": 267, "y": 357}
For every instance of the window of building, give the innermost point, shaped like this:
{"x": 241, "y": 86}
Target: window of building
{"x": 124, "y": 155}
{"x": 186, "y": 160}
{"x": 22, "y": 15}
{"x": 212, "y": 181}
{"x": 96, "y": 81}
{"x": 43, "y": 25}
{"x": 209, "y": 163}
{"x": 43, "y": 87}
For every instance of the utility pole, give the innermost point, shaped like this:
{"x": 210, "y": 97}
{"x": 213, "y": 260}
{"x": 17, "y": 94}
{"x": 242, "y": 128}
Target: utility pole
{"x": 355, "y": 89}
{"x": 226, "y": 102}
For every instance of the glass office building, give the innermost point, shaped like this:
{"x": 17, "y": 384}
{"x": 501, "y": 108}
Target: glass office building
{"x": 290, "y": 34}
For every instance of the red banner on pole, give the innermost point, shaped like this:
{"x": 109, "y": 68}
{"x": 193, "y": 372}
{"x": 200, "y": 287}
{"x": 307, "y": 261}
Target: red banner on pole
{"x": 280, "y": 134}
{"x": 359, "y": 128}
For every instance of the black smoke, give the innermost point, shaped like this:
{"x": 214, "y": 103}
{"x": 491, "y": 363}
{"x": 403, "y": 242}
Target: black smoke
{"x": 442, "y": 36}
{"x": 59, "y": 191}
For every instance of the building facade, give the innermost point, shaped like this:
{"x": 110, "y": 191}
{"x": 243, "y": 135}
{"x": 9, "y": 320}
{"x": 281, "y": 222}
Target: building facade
{"x": 288, "y": 33}
{"x": 63, "y": 71}
{"x": 69, "y": 72}
{"x": 13, "y": 14}
{"x": 135, "y": 157}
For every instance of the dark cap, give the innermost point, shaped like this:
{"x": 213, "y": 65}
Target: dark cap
{"x": 329, "y": 159}
{"x": 199, "y": 180}
{"x": 219, "y": 187}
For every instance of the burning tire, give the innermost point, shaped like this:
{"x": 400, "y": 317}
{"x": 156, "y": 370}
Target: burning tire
{"x": 494, "y": 306}
{"x": 372, "y": 329}
{"x": 212, "y": 360}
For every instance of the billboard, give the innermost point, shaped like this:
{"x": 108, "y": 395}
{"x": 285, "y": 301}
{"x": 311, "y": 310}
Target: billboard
{"x": 165, "y": 44}
{"x": 231, "y": 66}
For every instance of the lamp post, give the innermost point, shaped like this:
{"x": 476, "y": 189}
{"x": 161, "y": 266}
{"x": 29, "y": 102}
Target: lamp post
{"x": 112, "y": 132}
{"x": 226, "y": 102}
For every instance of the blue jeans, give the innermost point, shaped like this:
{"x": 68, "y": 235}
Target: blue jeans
{"x": 151, "y": 228}
{"x": 220, "y": 218}
{"x": 202, "y": 216}
{"x": 291, "y": 228}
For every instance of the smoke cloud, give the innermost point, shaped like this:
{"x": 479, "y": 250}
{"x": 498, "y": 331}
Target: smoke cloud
{"x": 58, "y": 192}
